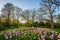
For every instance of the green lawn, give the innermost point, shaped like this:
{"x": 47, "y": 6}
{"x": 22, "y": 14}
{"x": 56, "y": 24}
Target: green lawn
{"x": 10, "y": 29}
{"x": 57, "y": 30}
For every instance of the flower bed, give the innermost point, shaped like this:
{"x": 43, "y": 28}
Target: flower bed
{"x": 31, "y": 34}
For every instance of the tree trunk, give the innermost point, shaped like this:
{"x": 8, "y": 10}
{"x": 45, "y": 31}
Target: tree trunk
{"x": 52, "y": 22}
{"x": 51, "y": 15}
{"x": 51, "y": 18}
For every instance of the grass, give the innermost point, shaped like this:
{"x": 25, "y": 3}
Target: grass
{"x": 10, "y": 29}
{"x": 57, "y": 30}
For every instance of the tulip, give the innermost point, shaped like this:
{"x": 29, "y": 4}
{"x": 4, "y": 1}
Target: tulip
{"x": 51, "y": 37}
{"x": 59, "y": 37}
{"x": 10, "y": 33}
{"x": 16, "y": 33}
{"x": 39, "y": 38}
{"x": 43, "y": 37}
{"x": 6, "y": 37}
{"x": 56, "y": 33}
{"x": 10, "y": 36}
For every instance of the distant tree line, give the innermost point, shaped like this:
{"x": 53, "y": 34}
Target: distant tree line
{"x": 46, "y": 13}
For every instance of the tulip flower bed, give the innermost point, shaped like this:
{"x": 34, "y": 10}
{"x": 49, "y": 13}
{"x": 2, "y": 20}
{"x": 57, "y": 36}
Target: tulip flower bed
{"x": 31, "y": 34}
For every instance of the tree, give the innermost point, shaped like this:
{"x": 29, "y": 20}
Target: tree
{"x": 58, "y": 18}
{"x": 17, "y": 11}
{"x": 26, "y": 14}
{"x": 56, "y": 2}
{"x": 51, "y": 9}
{"x": 33, "y": 15}
{"x": 41, "y": 12}
{"x": 7, "y": 9}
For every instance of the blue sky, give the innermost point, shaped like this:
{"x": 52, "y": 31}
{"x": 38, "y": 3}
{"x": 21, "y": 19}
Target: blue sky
{"x": 24, "y": 4}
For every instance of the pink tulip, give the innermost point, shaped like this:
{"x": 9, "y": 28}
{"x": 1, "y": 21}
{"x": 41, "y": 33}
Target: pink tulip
{"x": 10, "y": 33}
{"x": 45, "y": 33}
{"x": 6, "y": 37}
{"x": 56, "y": 33}
{"x": 10, "y": 36}
{"x": 39, "y": 38}
{"x": 51, "y": 37}
{"x": 17, "y": 33}
{"x": 59, "y": 37}
{"x": 43, "y": 37}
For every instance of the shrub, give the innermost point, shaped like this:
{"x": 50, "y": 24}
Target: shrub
{"x": 57, "y": 25}
{"x": 41, "y": 23}
{"x": 9, "y": 24}
{"x": 1, "y": 26}
{"x": 15, "y": 24}
{"x": 48, "y": 24}
{"x": 35, "y": 24}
